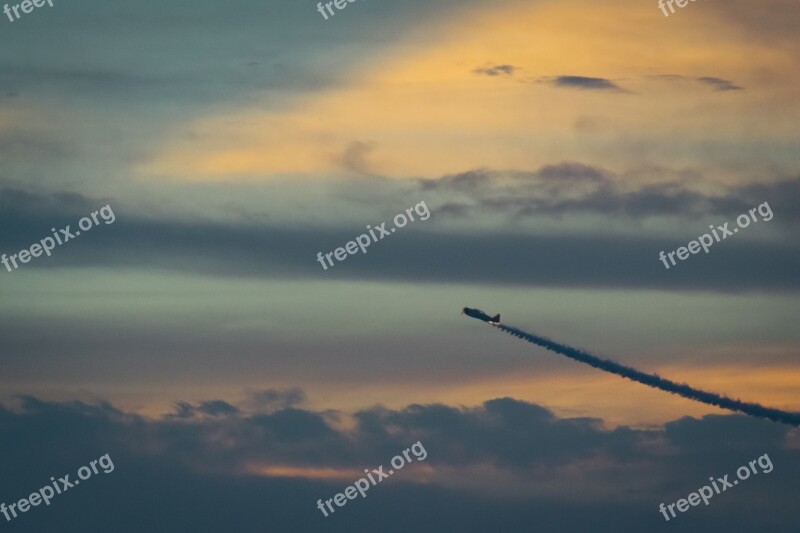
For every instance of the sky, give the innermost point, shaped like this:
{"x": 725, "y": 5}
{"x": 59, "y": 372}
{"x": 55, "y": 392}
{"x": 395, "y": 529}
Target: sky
{"x": 557, "y": 146}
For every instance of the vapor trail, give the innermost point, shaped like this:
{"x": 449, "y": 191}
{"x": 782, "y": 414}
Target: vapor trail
{"x": 657, "y": 382}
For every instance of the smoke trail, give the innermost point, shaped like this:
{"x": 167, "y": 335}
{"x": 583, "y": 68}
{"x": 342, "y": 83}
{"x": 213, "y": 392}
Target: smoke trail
{"x": 657, "y": 382}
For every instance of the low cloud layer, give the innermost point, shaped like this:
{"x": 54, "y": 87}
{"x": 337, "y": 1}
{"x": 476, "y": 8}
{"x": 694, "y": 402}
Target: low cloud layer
{"x": 572, "y": 188}
{"x": 424, "y": 254}
{"x": 225, "y": 453}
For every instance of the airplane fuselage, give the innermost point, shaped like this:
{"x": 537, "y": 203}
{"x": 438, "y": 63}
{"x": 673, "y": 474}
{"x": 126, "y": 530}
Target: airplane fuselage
{"x": 480, "y": 315}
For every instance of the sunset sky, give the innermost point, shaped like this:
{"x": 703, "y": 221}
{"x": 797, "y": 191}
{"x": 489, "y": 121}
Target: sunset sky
{"x": 559, "y": 145}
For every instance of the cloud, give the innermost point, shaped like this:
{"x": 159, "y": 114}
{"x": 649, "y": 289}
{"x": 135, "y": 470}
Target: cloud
{"x": 583, "y": 82}
{"x": 719, "y": 84}
{"x": 25, "y": 202}
{"x": 572, "y": 171}
{"x": 354, "y": 157}
{"x": 463, "y": 182}
{"x": 21, "y": 144}
{"x": 573, "y": 188}
{"x": 217, "y": 408}
{"x": 272, "y": 399}
{"x": 422, "y": 254}
{"x": 453, "y": 210}
{"x": 497, "y": 70}
{"x": 500, "y": 459}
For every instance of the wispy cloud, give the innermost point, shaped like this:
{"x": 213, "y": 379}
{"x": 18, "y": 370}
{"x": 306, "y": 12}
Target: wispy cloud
{"x": 497, "y": 70}
{"x": 719, "y": 84}
{"x": 584, "y": 82}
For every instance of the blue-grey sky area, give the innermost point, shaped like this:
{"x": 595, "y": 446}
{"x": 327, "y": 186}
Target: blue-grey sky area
{"x": 558, "y": 146}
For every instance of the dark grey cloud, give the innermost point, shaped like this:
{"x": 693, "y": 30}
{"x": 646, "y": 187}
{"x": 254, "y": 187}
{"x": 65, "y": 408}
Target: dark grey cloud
{"x": 453, "y": 210}
{"x": 571, "y": 188}
{"x": 183, "y": 410}
{"x": 463, "y": 182}
{"x": 539, "y": 436}
{"x": 28, "y": 203}
{"x": 420, "y": 254}
{"x": 354, "y": 157}
{"x": 719, "y": 84}
{"x": 572, "y": 171}
{"x": 496, "y": 70}
{"x": 217, "y": 408}
{"x": 75, "y": 79}
{"x": 584, "y": 82}
{"x": 24, "y": 146}
{"x": 192, "y": 473}
{"x": 272, "y": 399}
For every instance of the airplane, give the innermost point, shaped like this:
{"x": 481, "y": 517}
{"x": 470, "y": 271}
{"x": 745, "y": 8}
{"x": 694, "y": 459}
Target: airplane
{"x": 480, "y": 315}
